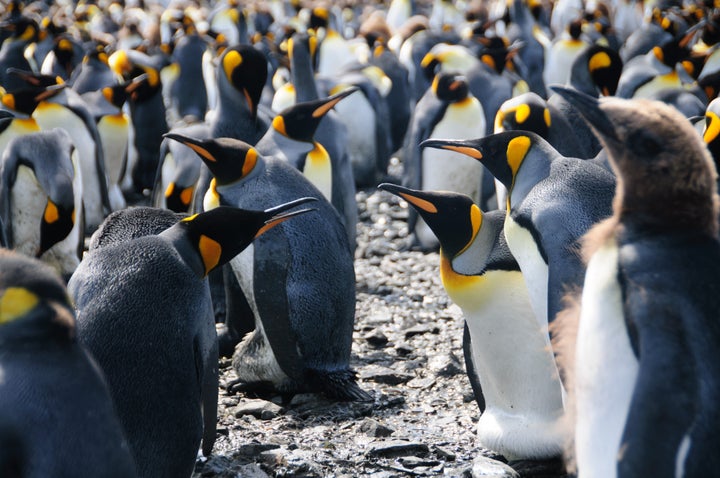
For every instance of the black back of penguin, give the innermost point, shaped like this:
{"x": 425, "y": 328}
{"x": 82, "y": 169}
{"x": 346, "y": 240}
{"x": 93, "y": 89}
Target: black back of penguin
{"x": 148, "y": 320}
{"x": 56, "y": 417}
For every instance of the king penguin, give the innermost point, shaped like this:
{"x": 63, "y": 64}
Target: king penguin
{"x": 648, "y": 334}
{"x": 144, "y": 312}
{"x": 303, "y": 315}
{"x": 41, "y": 199}
{"x": 52, "y": 394}
{"x": 552, "y": 201}
{"x": 509, "y": 353}
{"x": 447, "y": 110}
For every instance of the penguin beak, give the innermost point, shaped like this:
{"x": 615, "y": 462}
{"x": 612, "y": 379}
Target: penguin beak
{"x": 330, "y": 102}
{"x": 133, "y": 84}
{"x": 463, "y": 147}
{"x": 50, "y": 91}
{"x": 278, "y": 214}
{"x": 26, "y": 76}
{"x": 192, "y": 143}
{"x": 411, "y": 196}
{"x": 589, "y": 108}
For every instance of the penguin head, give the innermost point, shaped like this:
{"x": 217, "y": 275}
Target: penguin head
{"x": 36, "y": 80}
{"x": 26, "y": 100}
{"x": 454, "y": 218}
{"x": 319, "y": 18}
{"x": 228, "y": 159}
{"x": 449, "y": 58}
{"x": 450, "y": 87}
{"x": 663, "y": 166}
{"x": 301, "y": 48}
{"x": 33, "y": 300}
{"x": 245, "y": 68}
{"x": 527, "y": 112}
{"x": 96, "y": 51}
{"x": 504, "y": 154}
{"x": 22, "y": 28}
{"x": 604, "y": 67}
{"x": 300, "y": 121}
{"x": 495, "y": 53}
{"x": 32, "y": 150}
{"x": 215, "y": 243}
{"x": 676, "y": 49}
{"x": 130, "y": 64}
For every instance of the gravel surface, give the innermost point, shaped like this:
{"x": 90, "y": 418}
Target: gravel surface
{"x": 407, "y": 351}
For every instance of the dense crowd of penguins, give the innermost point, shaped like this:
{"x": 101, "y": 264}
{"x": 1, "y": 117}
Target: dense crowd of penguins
{"x": 561, "y": 155}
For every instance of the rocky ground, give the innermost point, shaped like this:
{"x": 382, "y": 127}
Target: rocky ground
{"x": 407, "y": 351}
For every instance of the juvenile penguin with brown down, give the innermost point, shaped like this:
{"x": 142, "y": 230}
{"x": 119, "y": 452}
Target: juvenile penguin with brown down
{"x": 645, "y": 372}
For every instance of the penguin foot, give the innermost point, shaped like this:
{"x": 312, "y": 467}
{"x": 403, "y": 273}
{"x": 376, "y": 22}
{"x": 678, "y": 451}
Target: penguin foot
{"x": 339, "y": 385}
{"x": 239, "y": 385}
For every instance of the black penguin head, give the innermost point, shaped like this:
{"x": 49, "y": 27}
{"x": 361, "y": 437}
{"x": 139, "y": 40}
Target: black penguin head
{"x": 222, "y": 233}
{"x": 453, "y": 217}
{"x": 319, "y": 18}
{"x": 300, "y": 121}
{"x": 228, "y": 159}
{"x": 301, "y": 48}
{"x": 178, "y": 198}
{"x": 495, "y": 52}
{"x": 36, "y": 80}
{"x": 131, "y": 64}
{"x": 96, "y": 51}
{"x": 663, "y": 167}
{"x": 502, "y": 153}
{"x": 605, "y": 67}
{"x": 33, "y": 300}
{"x": 245, "y": 68}
{"x": 527, "y": 112}
{"x": 450, "y": 87}
{"x": 676, "y": 50}
{"x": 21, "y": 28}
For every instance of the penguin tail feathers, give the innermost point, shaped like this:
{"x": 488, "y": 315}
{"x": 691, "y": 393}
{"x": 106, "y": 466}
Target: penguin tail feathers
{"x": 339, "y": 385}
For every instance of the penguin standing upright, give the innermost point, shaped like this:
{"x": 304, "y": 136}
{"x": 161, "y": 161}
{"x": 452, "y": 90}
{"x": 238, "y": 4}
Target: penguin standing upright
{"x": 24, "y": 31}
{"x": 303, "y": 316}
{"x": 56, "y": 414}
{"x": 144, "y": 311}
{"x": 552, "y": 201}
{"x": 41, "y": 199}
{"x": 510, "y": 353}
{"x": 447, "y": 110}
{"x": 648, "y": 332}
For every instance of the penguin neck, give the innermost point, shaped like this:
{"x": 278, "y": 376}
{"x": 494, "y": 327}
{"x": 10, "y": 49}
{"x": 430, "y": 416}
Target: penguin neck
{"x": 689, "y": 212}
{"x": 35, "y": 332}
{"x": 473, "y": 259}
{"x": 303, "y": 77}
{"x": 274, "y": 143}
{"x": 534, "y": 168}
{"x": 177, "y": 236}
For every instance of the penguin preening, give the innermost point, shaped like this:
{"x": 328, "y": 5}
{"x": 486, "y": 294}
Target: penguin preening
{"x": 144, "y": 311}
{"x": 303, "y": 316}
{"x": 56, "y": 413}
{"x": 552, "y": 201}
{"x": 647, "y": 327}
{"x": 509, "y": 351}
{"x": 41, "y": 198}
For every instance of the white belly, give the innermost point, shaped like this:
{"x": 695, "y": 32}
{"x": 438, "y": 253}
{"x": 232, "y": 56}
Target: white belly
{"x": 534, "y": 269}
{"x": 113, "y": 132}
{"x": 516, "y": 368}
{"x": 606, "y": 368}
{"x": 359, "y": 118}
{"x": 263, "y": 366}
{"x": 28, "y": 201}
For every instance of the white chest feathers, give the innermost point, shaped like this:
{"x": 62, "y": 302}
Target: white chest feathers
{"x": 606, "y": 368}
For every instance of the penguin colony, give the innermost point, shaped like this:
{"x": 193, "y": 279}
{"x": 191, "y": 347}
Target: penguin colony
{"x": 554, "y": 152}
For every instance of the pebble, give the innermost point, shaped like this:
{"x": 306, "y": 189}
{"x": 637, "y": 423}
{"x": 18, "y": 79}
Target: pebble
{"x": 374, "y": 428}
{"x": 446, "y": 365}
{"x": 258, "y": 408}
{"x": 397, "y": 448}
{"x": 484, "y": 467}
{"x": 376, "y": 373}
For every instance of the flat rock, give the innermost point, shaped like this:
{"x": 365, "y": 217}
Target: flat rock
{"x": 396, "y": 448}
{"x": 376, "y": 373}
{"x": 374, "y": 428}
{"x": 446, "y": 365}
{"x": 420, "y": 329}
{"x": 484, "y": 467}
{"x": 258, "y": 408}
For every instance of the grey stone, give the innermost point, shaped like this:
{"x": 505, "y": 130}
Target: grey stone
{"x": 445, "y": 365}
{"x": 444, "y": 453}
{"x": 396, "y": 448}
{"x": 374, "y": 428}
{"x": 376, "y": 373}
{"x": 257, "y": 408}
{"x": 484, "y": 467}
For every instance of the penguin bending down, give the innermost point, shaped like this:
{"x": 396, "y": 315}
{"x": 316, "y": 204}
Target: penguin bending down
{"x": 144, "y": 311}
{"x": 41, "y": 199}
{"x": 56, "y": 414}
{"x": 510, "y": 353}
{"x": 298, "y": 279}
{"x": 648, "y": 333}
{"x": 552, "y": 201}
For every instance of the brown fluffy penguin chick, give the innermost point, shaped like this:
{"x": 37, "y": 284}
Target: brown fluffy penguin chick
{"x": 635, "y": 342}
